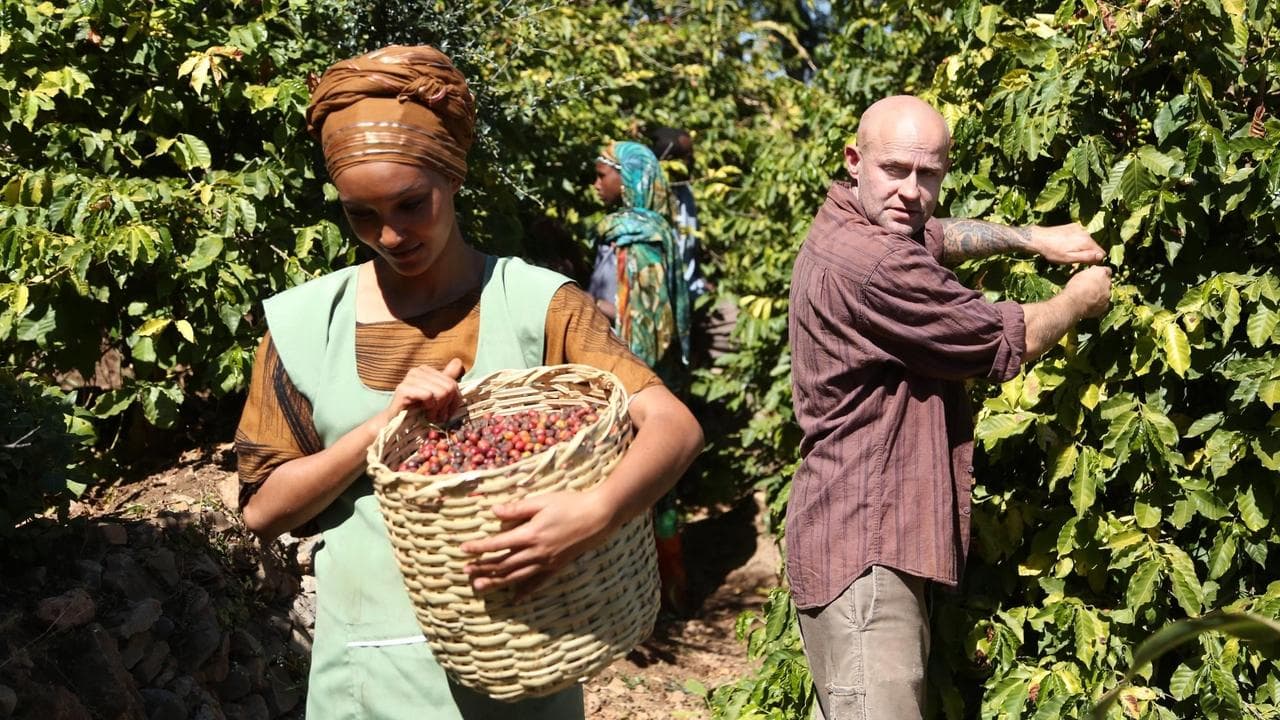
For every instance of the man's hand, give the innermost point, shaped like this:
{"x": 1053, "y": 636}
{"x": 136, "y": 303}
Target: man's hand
{"x": 1068, "y": 244}
{"x": 1091, "y": 290}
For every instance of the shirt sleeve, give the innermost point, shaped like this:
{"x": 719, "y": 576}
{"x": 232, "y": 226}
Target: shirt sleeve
{"x": 276, "y": 425}
{"x": 916, "y": 310}
{"x": 577, "y": 332}
{"x": 933, "y": 238}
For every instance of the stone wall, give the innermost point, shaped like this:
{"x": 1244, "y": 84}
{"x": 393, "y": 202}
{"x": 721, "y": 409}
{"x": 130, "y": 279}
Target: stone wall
{"x": 168, "y": 618}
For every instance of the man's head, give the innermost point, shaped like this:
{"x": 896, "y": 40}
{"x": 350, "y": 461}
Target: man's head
{"x": 898, "y": 162}
{"x": 673, "y": 144}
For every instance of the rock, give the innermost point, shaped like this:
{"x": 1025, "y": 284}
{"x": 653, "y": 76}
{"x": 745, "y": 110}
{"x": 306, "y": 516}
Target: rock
{"x": 68, "y": 610}
{"x": 163, "y": 628}
{"x": 89, "y": 573}
{"x": 282, "y": 692}
{"x": 8, "y": 701}
{"x": 237, "y": 684}
{"x": 124, "y": 576}
{"x": 163, "y": 705}
{"x": 201, "y": 636}
{"x": 113, "y": 534}
{"x": 163, "y": 563}
{"x": 280, "y": 624}
{"x": 149, "y": 667}
{"x": 35, "y": 577}
{"x": 217, "y": 521}
{"x": 244, "y": 644}
{"x": 301, "y": 641}
{"x": 167, "y": 673}
{"x": 229, "y": 492}
{"x": 53, "y": 702}
{"x": 204, "y": 570}
{"x": 306, "y": 554}
{"x": 136, "y": 648}
{"x": 209, "y": 712}
{"x": 303, "y": 612}
{"x": 141, "y": 616}
{"x": 251, "y": 708}
{"x": 91, "y": 660}
{"x": 215, "y": 669}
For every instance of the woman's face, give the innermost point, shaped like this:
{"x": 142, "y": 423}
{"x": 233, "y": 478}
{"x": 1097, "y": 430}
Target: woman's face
{"x": 404, "y": 212}
{"x": 608, "y": 184}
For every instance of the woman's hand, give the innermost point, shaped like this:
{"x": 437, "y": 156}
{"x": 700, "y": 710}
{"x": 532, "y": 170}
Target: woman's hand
{"x": 541, "y": 535}
{"x": 434, "y": 391}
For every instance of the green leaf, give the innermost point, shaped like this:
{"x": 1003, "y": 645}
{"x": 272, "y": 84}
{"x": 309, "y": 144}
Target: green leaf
{"x": 1147, "y": 516}
{"x": 1252, "y": 513}
{"x": 1156, "y": 161}
{"x": 160, "y": 405}
{"x": 1183, "y": 682}
{"x": 1083, "y": 485}
{"x": 1262, "y": 324}
{"x": 1133, "y": 223}
{"x": 113, "y": 403}
{"x": 1111, "y": 188}
{"x": 1091, "y": 635}
{"x": 1204, "y": 424}
{"x": 185, "y": 330}
{"x": 1141, "y": 587}
{"x": 1177, "y": 350}
{"x": 1171, "y": 636}
{"x": 190, "y": 152}
{"x": 208, "y": 248}
{"x": 1182, "y": 575}
{"x": 997, "y": 426}
{"x": 153, "y": 326}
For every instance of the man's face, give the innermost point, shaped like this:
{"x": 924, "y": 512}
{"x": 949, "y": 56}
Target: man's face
{"x": 898, "y": 177}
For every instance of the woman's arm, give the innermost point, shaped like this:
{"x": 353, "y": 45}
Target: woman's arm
{"x": 301, "y": 489}
{"x": 550, "y": 530}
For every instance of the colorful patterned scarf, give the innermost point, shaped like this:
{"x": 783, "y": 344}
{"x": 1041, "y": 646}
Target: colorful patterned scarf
{"x": 653, "y": 298}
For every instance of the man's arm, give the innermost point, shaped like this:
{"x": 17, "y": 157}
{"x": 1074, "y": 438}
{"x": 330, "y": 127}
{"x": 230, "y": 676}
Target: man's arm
{"x": 964, "y": 239}
{"x": 1086, "y": 295}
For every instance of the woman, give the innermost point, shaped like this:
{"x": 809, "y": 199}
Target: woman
{"x": 639, "y": 283}
{"x": 638, "y": 280}
{"x": 343, "y": 354}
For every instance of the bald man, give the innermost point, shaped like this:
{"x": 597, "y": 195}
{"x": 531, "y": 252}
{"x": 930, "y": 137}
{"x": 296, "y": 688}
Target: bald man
{"x": 883, "y": 338}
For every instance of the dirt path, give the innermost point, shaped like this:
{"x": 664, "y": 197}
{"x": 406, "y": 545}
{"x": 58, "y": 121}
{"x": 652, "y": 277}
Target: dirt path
{"x": 730, "y": 560}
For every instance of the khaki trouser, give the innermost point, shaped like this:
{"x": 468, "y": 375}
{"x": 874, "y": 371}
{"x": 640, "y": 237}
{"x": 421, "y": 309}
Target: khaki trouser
{"x": 868, "y": 649}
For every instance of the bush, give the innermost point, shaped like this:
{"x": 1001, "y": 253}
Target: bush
{"x": 1128, "y": 476}
{"x": 35, "y": 450}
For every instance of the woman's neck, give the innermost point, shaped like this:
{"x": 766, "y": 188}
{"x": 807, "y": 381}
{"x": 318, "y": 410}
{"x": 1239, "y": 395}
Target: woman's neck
{"x": 386, "y": 295}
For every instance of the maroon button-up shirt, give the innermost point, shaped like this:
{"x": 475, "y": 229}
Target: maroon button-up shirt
{"x": 882, "y": 338}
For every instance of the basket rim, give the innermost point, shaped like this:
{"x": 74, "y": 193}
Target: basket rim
{"x": 382, "y": 474}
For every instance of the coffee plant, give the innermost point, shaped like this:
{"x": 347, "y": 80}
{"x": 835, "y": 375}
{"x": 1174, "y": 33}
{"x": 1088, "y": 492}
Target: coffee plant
{"x": 1129, "y": 477}
{"x": 156, "y": 185}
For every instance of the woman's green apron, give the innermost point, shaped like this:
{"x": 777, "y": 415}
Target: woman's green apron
{"x": 369, "y": 658}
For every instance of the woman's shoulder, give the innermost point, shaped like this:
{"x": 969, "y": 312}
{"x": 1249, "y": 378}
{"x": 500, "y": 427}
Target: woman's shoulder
{"x": 327, "y": 283}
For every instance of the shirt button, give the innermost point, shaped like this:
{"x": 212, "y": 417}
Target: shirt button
{"x": 969, "y": 469}
{"x": 964, "y": 510}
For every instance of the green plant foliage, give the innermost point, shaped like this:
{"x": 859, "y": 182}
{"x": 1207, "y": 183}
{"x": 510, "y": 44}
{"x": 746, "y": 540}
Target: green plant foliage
{"x": 1128, "y": 478}
{"x": 158, "y": 185}
{"x": 36, "y": 447}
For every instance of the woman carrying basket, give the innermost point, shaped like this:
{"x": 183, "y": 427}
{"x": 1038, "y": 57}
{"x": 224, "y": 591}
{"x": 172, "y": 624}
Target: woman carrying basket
{"x": 346, "y": 352}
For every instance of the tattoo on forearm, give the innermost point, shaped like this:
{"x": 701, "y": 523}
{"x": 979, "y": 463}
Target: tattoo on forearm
{"x": 970, "y": 239}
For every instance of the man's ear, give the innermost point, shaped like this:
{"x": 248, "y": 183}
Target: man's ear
{"x": 852, "y": 158}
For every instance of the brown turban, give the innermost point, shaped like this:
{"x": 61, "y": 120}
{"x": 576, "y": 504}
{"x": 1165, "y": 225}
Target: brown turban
{"x": 399, "y": 104}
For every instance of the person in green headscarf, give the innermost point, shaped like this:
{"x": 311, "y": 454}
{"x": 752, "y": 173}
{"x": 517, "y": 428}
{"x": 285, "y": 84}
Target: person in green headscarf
{"x": 637, "y": 279}
{"x": 639, "y": 283}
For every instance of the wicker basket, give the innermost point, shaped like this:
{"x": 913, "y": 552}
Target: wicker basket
{"x": 594, "y": 611}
